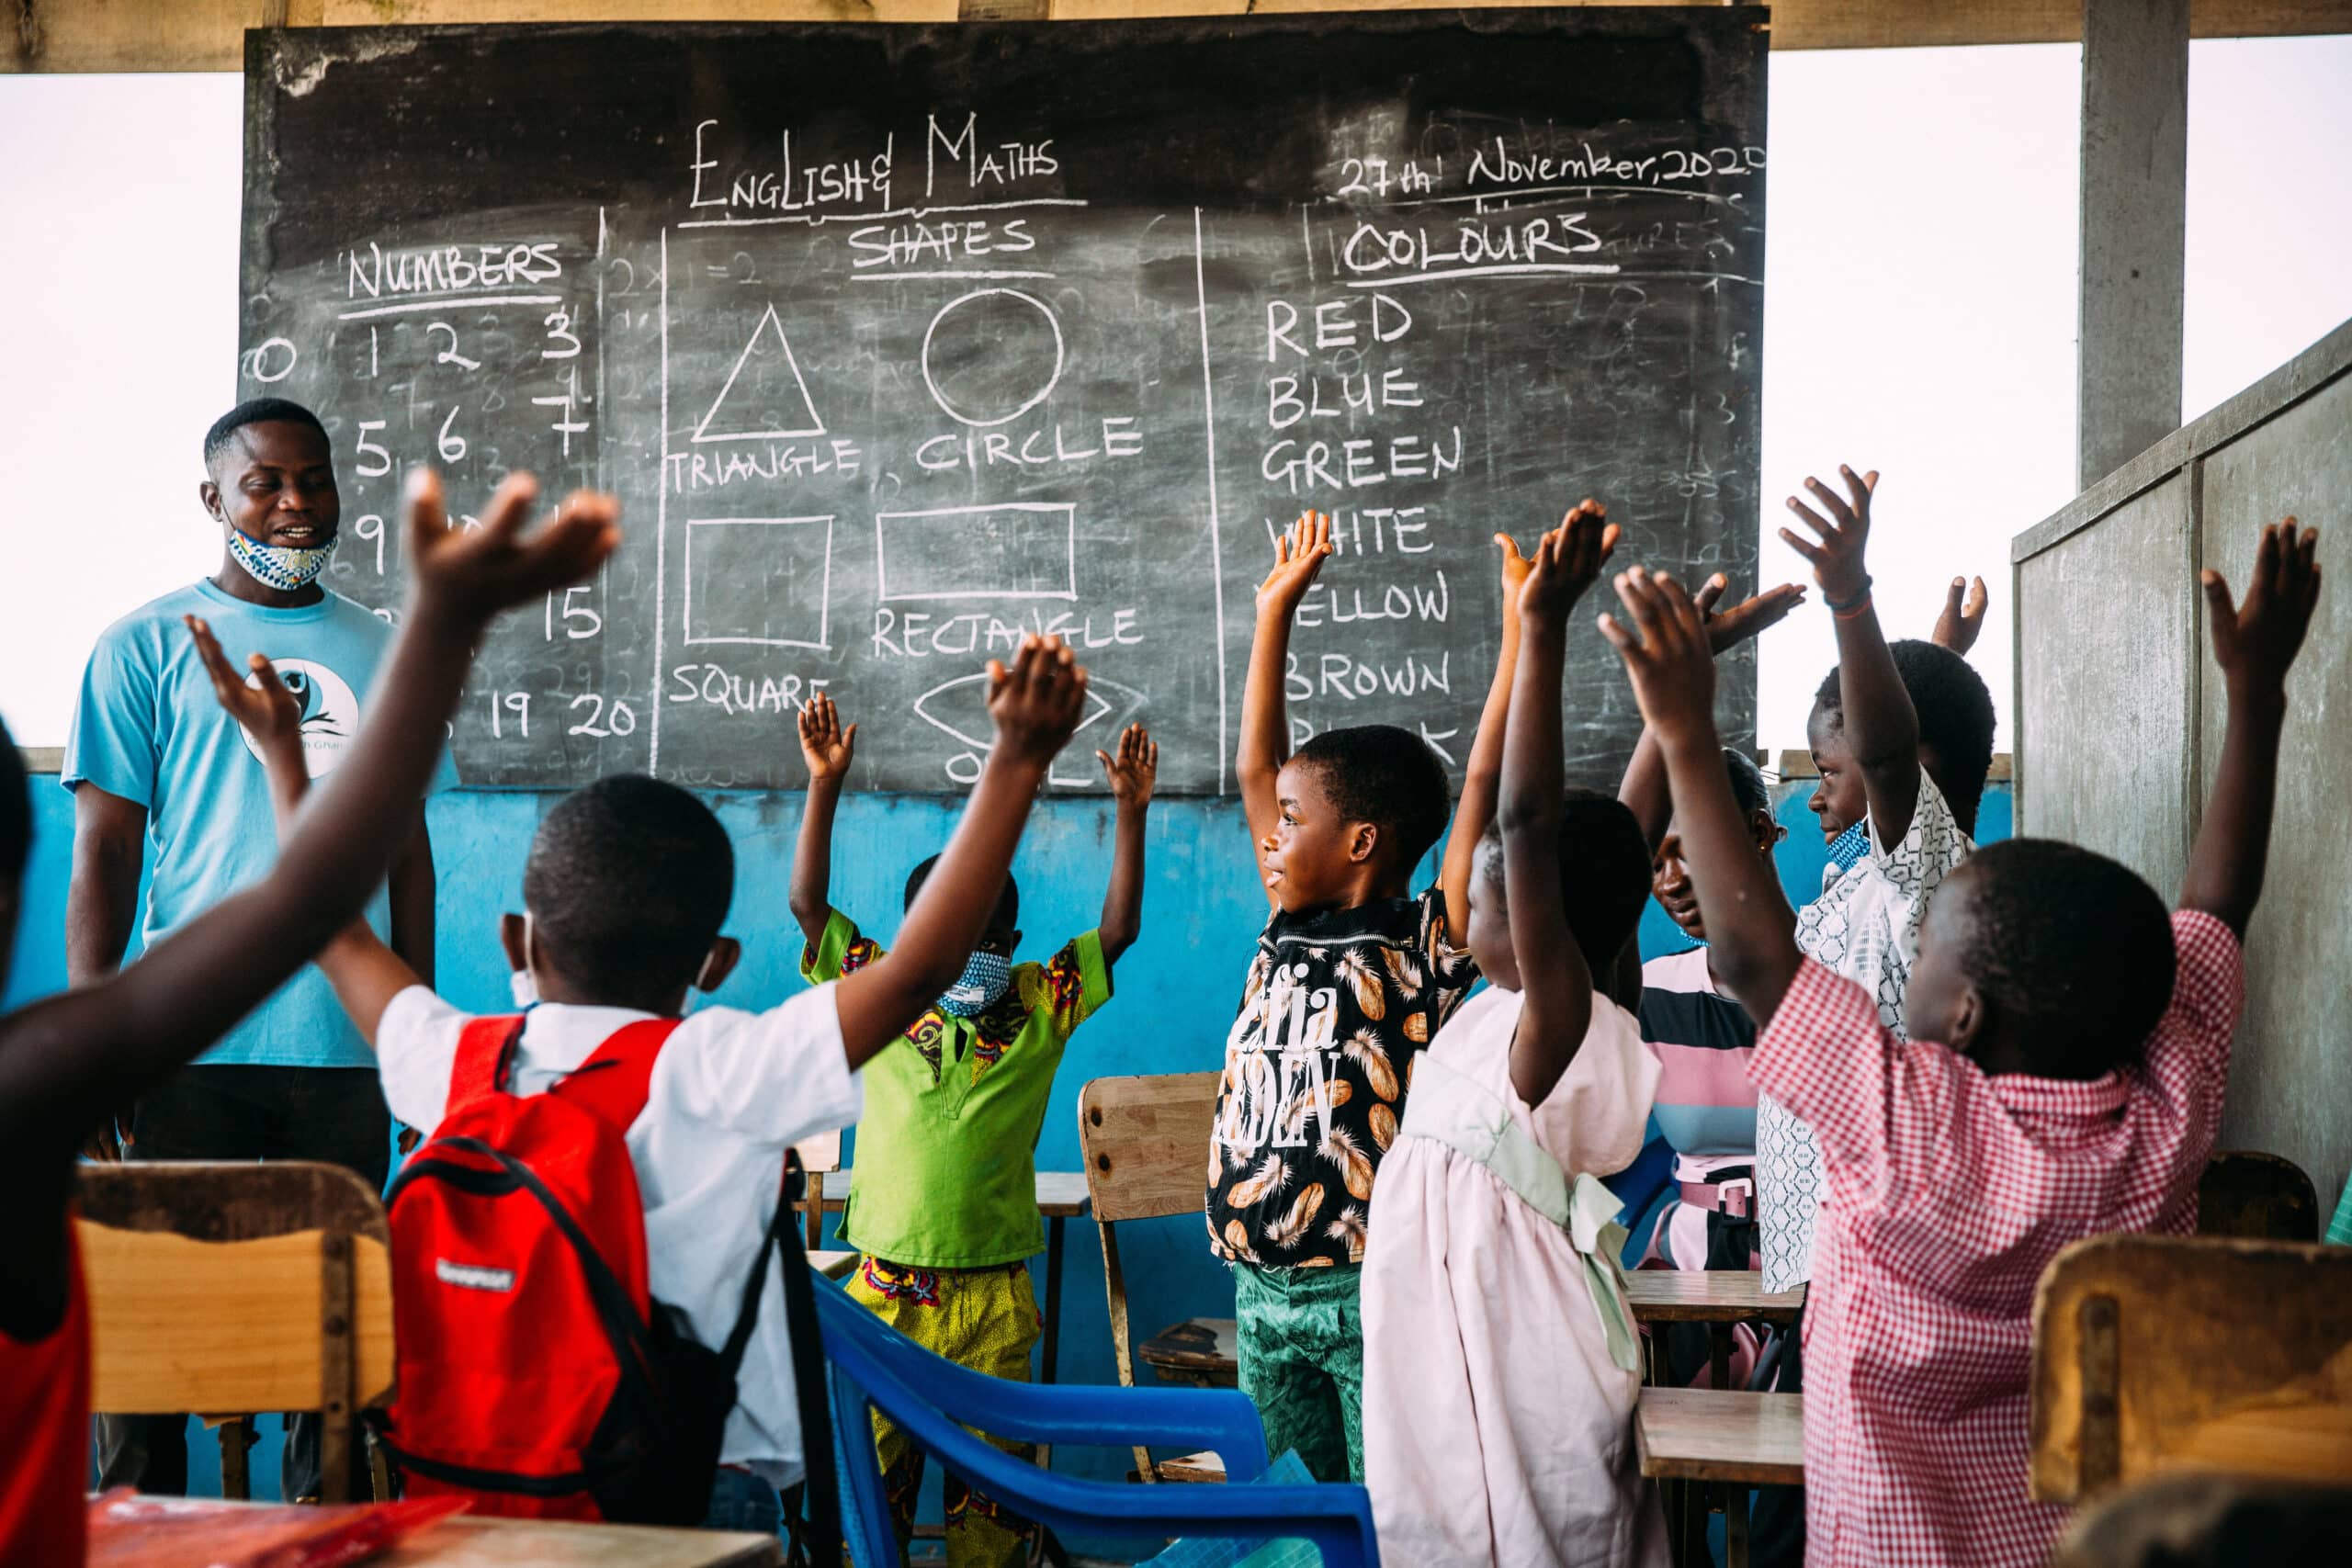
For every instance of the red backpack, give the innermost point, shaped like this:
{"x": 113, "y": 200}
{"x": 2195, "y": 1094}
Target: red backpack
{"x": 537, "y": 1377}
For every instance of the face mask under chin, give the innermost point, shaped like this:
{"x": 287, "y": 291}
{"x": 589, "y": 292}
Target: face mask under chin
{"x": 281, "y": 567}
{"x": 986, "y": 977}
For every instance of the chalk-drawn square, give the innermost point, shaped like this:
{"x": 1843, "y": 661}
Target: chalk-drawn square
{"x": 1012, "y": 551}
{"x": 764, "y": 581}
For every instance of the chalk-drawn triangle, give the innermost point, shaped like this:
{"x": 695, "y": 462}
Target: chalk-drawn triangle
{"x": 811, "y": 425}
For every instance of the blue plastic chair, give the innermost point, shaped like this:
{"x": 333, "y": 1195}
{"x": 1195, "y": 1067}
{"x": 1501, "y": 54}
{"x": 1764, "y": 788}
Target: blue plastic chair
{"x": 873, "y": 1367}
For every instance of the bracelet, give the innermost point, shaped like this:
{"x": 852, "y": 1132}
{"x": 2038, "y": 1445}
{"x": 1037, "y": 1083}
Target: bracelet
{"x": 1859, "y": 610}
{"x": 1845, "y": 606}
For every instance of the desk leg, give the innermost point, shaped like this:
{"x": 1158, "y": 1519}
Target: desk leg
{"x": 1053, "y": 1296}
{"x": 1719, "y": 1355}
{"x": 1735, "y": 1500}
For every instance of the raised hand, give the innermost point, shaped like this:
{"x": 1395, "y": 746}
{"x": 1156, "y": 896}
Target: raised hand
{"x": 1514, "y": 568}
{"x": 2256, "y": 641}
{"x": 1961, "y": 622}
{"x": 1299, "y": 554}
{"x": 1749, "y": 617}
{"x": 1135, "y": 771}
{"x": 262, "y": 706}
{"x": 825, "y": 746}
{"x": 1666, "y": 653}
{"x": 1035, "y": 703}
{"x": 1566, "y": 562}
{"x": 473, "y": 574}
{"x": 1837, "y": 558}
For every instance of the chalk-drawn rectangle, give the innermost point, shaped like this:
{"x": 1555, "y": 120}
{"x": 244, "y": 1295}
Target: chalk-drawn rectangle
{"x": 1012, "y": 551}
{"x": 764, "y": 581}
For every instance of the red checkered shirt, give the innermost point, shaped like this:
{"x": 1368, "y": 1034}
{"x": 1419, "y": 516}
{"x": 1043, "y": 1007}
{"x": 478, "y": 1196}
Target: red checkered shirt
{"x": 1950, "y": 1192}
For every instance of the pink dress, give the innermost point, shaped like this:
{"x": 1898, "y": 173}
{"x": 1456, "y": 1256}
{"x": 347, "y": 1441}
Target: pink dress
{"x": 1499, "y": 1375}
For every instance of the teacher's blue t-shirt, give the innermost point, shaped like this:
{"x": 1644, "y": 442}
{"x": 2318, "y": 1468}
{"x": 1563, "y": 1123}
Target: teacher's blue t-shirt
{"x": 148, "y": 729}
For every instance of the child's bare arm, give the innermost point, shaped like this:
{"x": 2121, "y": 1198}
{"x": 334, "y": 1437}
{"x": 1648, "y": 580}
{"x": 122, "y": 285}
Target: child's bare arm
{"x": 1881, "y": 726}
{"x": 1754, "y": 949}
{"x": 1644, "y": 788}
{"x": 1265, "y": 723}
{"x": 66, "y": 1060}
{"x": 1036, "y": 704}
{"x": 1556, "y": 983}
{"x": 828, "y": 749}
{"x": 2254, "y": 643}
{"x": 365, "y": 973}
{"x": 1132, "y": 774}
{"x": 1483, "y": 776}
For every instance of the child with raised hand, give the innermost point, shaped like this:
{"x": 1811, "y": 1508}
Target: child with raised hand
{"x": 1353, "y": 978}
{"x": 1501, "y": 1362}
{"x": 625, "y": 894}
{"x": 66, "y": 1062}
{"x": 2035, "y": 1102}
{"x": 944, "y": 1203}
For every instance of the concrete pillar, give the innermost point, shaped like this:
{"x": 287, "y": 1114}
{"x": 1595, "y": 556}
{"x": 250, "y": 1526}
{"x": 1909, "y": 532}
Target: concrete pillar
{"x": 2134, "y": 204}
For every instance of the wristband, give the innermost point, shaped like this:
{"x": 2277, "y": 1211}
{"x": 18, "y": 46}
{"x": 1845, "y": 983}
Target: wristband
{"x": 1845, "y": 606}
{"x": 1860, "y": 607}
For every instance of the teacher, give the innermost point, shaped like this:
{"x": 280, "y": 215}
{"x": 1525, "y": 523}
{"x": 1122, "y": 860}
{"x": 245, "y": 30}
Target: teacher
{"x": 154, "y": 763}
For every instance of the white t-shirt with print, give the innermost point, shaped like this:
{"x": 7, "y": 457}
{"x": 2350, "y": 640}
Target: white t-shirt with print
{"x": 729, "y": 1093}
{"x": 1865, "y": 926}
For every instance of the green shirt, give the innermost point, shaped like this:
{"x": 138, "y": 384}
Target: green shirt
{"x": 946, "y": 1168}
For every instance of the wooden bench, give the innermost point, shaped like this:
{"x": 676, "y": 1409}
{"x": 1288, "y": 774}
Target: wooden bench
{"x": 1717, "y": 1298}
{"x": 1705, "y": 1447}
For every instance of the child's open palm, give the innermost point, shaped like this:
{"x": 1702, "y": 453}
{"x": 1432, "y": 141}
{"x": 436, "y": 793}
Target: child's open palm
{"x": 1837, "y": 558}
{"x": 1036, "y": 703}
{"x": 1963, "y": 620}
{"x": 1299, "y": 554}
{"x": 1567, "y": 560}
{"x": 825, "y": 746}
{"x": 1749, "y": 617}
{"x": 1135, "y": 771}
{"x": 478, "y": 571}
{"x": 262, "y": 706}
{"x": 2255, "y": 642}
{"x": 1666, "y": 653}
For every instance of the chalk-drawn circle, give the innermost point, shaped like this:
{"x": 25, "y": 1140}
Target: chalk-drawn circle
{"x": 982, "y": 353}
{"x": 259, "y": 356}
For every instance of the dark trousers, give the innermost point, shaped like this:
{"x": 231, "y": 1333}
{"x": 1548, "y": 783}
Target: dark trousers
{"x": 335, "y": 1114}
{"x": 1776, "y": 1524}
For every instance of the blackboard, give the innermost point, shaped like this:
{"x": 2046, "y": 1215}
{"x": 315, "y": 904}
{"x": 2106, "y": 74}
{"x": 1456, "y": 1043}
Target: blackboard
{"x": 898, "y": 341}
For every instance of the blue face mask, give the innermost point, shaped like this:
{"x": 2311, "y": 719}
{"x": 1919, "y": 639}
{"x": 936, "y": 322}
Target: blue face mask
{"x": 1849, "y": 847}
{"x": 986, "y": 977}
{"x": 281, "y": 567}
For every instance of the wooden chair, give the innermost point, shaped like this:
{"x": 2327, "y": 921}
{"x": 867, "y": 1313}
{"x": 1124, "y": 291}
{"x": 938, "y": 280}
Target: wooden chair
{"x": 239, "y": 1287}
{"x": 820, "y": 1157}
{"x": 2185, "y": 1517}
{"x": 1145, "y": 1140}
{"x": 2191, "y": 1353}
{"x": 2259, "y": 1197}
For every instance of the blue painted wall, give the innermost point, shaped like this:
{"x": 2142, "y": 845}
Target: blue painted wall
{"x": 1176, "y": 990}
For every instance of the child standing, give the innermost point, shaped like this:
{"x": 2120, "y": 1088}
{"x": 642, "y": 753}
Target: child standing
{"x": 1351, "y": 979}
{"x": 67, "y": 1061}
{"x": 1500, "y": 1363}
{"x": 944, "y": 1203}
{"x": 2036, "y": 1101}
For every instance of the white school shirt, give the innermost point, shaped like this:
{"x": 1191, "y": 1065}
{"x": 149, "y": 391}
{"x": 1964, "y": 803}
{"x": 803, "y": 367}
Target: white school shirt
{"x": 1865, "y": 927}
{"x": 730, "y": 1091}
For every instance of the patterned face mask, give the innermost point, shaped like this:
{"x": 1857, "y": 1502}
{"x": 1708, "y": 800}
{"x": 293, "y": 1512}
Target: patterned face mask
{"x": 281, "y": 567}
{"x": 1849, "y": 847}
{"x": 985, "y": 978}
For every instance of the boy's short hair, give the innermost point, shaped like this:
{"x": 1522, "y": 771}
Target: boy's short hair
{"x": 1604, "y": 873}
{"x": 1748, "y": 787}
{"x": 16, "y": 816}
{"x": 258, "y": 410}
{"x": 1008, "y": 903}
{"x": 1388, "y": 776}
{"x": 629, "y": 882}
{"x": 1955, "y": 713}
{"x": 2072, "y": 950}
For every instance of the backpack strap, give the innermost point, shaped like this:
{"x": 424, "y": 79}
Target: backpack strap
{"x": 821, "y": 1494}
{"x": 485, "y": 1049}
{"x": 612, "y": 1085}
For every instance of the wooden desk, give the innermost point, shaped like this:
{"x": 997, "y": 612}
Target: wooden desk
{"x": 1718, "y": 1298}
{"x": 1061, "y": 1197}
{"x": 833, "y": 1265}
{"x": 1693, "y": 1440}
{"x": 466, "y": 1541}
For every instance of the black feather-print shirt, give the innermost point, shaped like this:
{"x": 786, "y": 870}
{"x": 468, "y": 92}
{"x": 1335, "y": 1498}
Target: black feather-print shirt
{"x": 1338, "y": 1006}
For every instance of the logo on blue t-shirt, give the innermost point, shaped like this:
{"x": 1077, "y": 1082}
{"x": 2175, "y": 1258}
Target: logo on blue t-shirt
{"x": 329, "y": 713}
